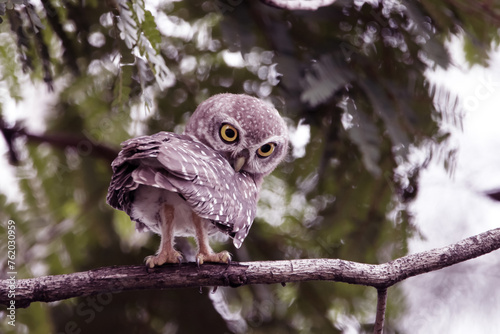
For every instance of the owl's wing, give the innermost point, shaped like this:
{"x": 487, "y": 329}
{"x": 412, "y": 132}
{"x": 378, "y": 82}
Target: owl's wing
{"x": 200, "y": 175}
{"x": 129, "y": 161}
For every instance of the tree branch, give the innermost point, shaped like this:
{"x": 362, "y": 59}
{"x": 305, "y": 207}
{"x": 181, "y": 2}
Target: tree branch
{"x": 121, "y": 278}
{"x": 80, "y": 143}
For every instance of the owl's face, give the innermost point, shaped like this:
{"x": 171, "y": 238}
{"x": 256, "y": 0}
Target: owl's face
{"x": 249, "y": 133}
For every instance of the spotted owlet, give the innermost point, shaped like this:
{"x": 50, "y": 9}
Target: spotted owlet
{"x": 204, "y": 181}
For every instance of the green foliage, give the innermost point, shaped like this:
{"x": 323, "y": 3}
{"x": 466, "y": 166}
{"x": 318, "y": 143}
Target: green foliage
{"x": 354, "y": 73}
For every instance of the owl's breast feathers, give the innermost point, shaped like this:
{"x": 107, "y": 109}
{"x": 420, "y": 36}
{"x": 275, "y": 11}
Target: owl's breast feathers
{"x": 180, "y": 164}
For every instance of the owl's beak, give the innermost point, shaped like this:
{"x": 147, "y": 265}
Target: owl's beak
{"x": 238, "y": 164}
{"x": 240, "y": 160}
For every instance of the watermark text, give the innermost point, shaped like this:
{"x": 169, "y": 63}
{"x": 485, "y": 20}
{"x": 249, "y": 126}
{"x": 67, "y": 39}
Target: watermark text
{"x": 11, "y": 273}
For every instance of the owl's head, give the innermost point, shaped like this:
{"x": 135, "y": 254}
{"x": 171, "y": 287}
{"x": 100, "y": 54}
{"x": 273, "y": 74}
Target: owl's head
{"x": 248, "y": 132}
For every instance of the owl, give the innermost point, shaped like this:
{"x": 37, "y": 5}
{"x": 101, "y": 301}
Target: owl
{"x": 203, "y": 182}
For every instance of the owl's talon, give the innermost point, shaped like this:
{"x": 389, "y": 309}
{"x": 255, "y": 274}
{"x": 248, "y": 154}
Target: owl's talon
{"x": 162, "y": 258}
{"x": 149, "y": 261}
{"x": 199, "y": 259}
{"x": 222, "y": 257}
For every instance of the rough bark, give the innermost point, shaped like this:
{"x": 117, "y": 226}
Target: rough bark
{"x": 121, "y": 278}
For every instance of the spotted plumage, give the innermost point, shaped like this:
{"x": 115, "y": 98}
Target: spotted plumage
{"x": 204, "y": 181}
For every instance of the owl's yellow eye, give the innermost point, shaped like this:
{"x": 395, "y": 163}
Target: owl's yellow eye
{"x": 228, "y": 133}
{"x": 266, "y": 150}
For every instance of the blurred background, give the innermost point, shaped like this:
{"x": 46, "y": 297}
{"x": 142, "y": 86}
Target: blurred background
{"x": 393, "y": 115}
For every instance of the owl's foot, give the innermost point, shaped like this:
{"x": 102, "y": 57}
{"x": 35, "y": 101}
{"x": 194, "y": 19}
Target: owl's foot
{"x": 222, "y": 257}
{"x": 162, "y": 258}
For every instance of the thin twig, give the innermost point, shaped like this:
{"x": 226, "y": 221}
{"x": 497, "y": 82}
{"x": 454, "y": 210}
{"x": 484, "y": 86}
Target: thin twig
{"x": 381, "y": 305}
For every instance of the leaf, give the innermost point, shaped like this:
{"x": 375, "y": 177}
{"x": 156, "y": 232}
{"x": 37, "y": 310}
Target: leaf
{"x": 35, "y": 19}
{"x": 132, "y": 20}
{"x": 325, "y": 78}
{"x": 164, "y": 77}
{"x": 127, "y": 25}
{"x": 122, "y": 87}
{"x": 365, "y": 134}
{"x": 383, "y": 106}
{"x": 151, "y": 31}
{"x": 448, "y": 108}
{"x": 433, "y": 48}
